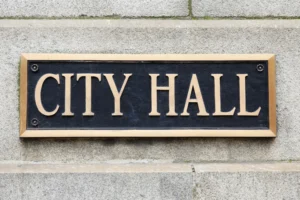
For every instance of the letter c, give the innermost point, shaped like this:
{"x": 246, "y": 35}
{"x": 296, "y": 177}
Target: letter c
{"x": 37, "y": 94}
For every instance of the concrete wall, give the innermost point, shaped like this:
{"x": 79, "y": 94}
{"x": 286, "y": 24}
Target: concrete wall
{"x": 152, "y": 36}
{"x": 76, "y": 8}
{"x": 152, "y": 181}
{"x": 246, "y": 8}
{"x": 151, "y": 168}
{"x": 148, "y": 8}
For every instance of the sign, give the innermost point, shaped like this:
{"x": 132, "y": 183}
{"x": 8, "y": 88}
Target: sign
{"x": 147, "y": 95}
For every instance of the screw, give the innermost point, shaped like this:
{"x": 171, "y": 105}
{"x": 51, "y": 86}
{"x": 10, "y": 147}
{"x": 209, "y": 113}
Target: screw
{"x": 34, "y": 67}
{"x": 34, "y": 122}
{"x": 260, "y": 67}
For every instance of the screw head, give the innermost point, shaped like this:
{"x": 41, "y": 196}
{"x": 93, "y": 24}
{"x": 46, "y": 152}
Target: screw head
{"x": 260, "y": 67}
{"x": 34, "y": 122}
{"x": 34, "y": 67}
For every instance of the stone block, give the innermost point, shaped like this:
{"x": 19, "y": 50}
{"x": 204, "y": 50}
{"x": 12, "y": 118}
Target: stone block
{"x": 40, "y": 181}
{"x": 92, "y": 8}
{"x": 244, "y": 8}
{"x": 247, "y": 181}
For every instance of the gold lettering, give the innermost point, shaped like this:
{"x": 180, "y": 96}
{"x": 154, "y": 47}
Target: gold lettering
{"x": 194, "y": 84}
{"x": 218, "y": 109}
{"x": 117, "y": 95}
{"x": 37, "y": 94}
{"x": 243, "y": 111}
{"x": 88, "y": 92}
{"x": 170, "y": 88}
{"x": 67, "y": 95}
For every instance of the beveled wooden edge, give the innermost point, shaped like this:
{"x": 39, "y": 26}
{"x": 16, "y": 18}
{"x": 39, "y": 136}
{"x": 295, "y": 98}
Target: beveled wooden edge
{"x": 149, "y": 57}
{"x": 272, "y": 94}
{"x": 149, "y": 133}
{"x": 23, "y": 94}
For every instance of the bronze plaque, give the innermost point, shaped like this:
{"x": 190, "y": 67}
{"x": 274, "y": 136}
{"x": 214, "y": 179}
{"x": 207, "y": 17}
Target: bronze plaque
{"x": 94, "y": 95}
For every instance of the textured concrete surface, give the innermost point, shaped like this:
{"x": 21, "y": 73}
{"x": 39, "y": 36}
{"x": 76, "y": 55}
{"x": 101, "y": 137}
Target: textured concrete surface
{"x": 96, "y": 186}
{"x": 92, "y": 8}
{"x": 206, "y": 181}
{"x": 247, "y": 185}
{"x": 247, "y": 181}
{"x": 246, "y": 8}
{"x": 83, "y": 182}
{"x": 148, "y": 8}
{"x": 151, "y": 36}
{"x": 32, "y": 167}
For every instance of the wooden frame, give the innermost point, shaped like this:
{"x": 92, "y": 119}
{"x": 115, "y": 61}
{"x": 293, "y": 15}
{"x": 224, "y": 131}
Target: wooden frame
{"x": 24, "y": 133}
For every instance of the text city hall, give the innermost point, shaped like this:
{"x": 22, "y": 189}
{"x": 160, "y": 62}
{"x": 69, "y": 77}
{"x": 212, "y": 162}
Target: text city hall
{"x": 194, "y": 88}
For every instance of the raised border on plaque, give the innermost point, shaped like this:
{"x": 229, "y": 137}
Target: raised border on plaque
{"x": 271, "y": 132}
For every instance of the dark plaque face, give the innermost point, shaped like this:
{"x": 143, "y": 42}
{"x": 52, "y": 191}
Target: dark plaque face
{"x": 147, "y": 95}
